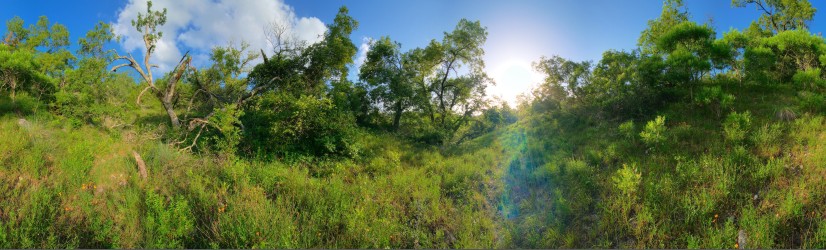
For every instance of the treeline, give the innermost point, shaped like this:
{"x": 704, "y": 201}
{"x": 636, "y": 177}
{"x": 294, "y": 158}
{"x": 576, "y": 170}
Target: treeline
{"x": 678, "y": 58}
{"x": 298, "y": 100}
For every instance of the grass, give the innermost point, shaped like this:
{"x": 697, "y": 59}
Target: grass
{"x": 697, "y": 179}
{"x": 70, "y": 187}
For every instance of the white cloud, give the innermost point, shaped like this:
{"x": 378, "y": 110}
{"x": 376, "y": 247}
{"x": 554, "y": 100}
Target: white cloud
{"x": 361, "y": 56}
{"x": 199, "y": 25}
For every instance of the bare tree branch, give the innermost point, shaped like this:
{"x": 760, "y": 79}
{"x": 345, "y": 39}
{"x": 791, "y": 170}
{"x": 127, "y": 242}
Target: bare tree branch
{"x": 142, "y": 92}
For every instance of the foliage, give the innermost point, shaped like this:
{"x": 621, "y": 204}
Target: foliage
{"x": 654, "y": 131}
{"x": 291, "y": 152}
{"x": 282, "y": 124}
{"x": 737, "y": 126}
{"x": 780, "y": 15}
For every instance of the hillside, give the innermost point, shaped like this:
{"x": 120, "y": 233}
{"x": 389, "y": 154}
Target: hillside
{"x": 690, "y": 140}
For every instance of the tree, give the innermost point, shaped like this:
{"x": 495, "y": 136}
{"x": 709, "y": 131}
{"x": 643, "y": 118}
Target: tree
{"x": 301, "y": 70}
{"x": 573, "y": 76}
{"x": 689, "y": 49}
{"x": 385, "y": 73}
{"x": 615, "y": 84}
{"x": 295, "y": 109}
{"x": 148, "y": 24}
{"x": 673, "y": 13}
{"x": 781, "y": 15}
{"x": 47, "y": 43}
{"x": 216, "y": 95}
{"x": 19, "y": 69}
{"x": 453, "y": 94}
{"x": 84, "y": 91}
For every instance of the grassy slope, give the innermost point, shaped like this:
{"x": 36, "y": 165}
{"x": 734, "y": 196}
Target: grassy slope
{"x": 79, "y": 187}
{"x": 538, "y": 183}
{"x": 699, "y": 188}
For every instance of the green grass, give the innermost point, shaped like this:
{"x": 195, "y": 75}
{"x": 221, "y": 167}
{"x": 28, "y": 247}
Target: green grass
{"x": 78, "y": 187}
{"x": 695, "y": 180}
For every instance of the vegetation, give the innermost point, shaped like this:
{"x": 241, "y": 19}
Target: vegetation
{"x": 692, "y": 140}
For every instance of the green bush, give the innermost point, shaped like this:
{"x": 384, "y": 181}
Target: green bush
{"x": 810, "y": 101}
{"x": 654, "y": 132}
{"x": 628, "y": 130}
{"x": 282, "y": 124}
{"x": 737, "y": 126}
{"x": 167, "y": 224}
{"x": 808, "y": 79}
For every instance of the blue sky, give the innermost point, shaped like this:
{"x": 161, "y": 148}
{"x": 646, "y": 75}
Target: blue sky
{"x": 520, "y": 31}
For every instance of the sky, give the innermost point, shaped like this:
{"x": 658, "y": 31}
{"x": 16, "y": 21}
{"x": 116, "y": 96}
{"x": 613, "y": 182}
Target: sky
{"x": 519, "y": 31}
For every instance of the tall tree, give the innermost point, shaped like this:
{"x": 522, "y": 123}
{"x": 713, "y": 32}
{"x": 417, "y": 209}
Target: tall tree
{"x": 147, "y": 24}
{"x": 20, "y": 70}
{"x": 37, "y": 54}
{"x": 295, "y": 110}
{"x": 385, "y": 73}
{"x": 457, "y": 92}
{"x": 673, "y": 13}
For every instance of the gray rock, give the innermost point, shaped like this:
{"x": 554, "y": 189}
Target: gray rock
{"x": 741, "y": 239}
{"x": 23, "y": 123}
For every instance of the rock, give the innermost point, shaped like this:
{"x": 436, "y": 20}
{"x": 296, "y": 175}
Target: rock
{"x": 23, "y": 123}
{"x": 786, "y": 114}
{"x": 741, "y": 239}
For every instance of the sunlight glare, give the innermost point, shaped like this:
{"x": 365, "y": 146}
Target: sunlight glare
{"x": 513, "y": 77}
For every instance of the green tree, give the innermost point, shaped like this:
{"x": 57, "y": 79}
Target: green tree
{"x": 781, "y": 15}
{"x": 673, "y": 13}
{"x": 385, "y": 72}
{"x": 48, "y": 45}
{"x": 690, "y": 49}
{"x": 20, "y": 70}
{"x": 573, "y": 76}
{"x": 451, "y": 96}
{"x": 85, "y": 93}
{"x": 295, "y": 105}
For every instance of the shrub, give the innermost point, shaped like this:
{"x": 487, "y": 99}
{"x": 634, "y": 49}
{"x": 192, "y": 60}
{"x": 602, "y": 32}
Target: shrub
{"x": 627, "y": 180}
{"x": 714, "y": 98}
{"x": 627, "y": 130}
{"x": 654, "y": 132}
{"x": 736, "y": 126}
{"x": 809, "y": 78}
{"x": 283, "y": 124}
{"x": 167, "y": 224}
{"x": 767, "y": 140}
{"x": 811, "y": 101}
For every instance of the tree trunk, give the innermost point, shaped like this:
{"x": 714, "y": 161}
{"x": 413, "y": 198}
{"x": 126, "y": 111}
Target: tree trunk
{"x": 398, "y": 115}
{"x": 13, "y": 84}
{"x": 171, "y": 112}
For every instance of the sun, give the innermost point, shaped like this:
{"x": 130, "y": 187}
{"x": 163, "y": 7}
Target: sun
{"x": 513, "y": 77}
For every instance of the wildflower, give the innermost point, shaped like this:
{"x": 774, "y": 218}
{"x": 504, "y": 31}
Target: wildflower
{"x": 257, "y": 233}
{"x": 736, "y": 245}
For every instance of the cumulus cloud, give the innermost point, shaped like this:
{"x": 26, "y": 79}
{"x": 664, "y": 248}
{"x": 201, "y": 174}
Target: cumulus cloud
{"x": 199, "y": 25}
{"x": 362, "y": 53}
